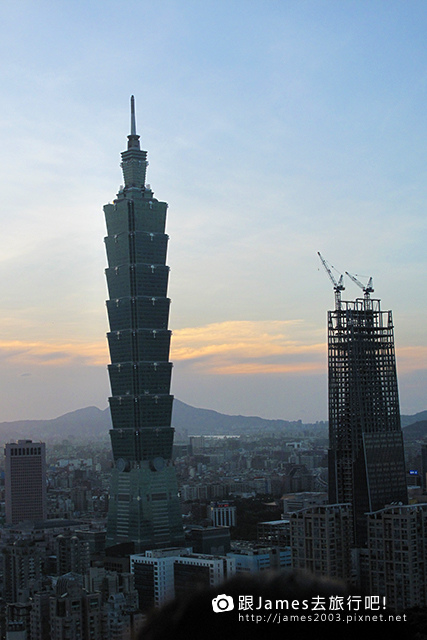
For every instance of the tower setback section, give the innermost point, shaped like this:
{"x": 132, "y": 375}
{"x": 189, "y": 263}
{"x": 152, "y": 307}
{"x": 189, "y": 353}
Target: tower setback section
{"x": 144, "y": 507}
{"x": 366, "y": 455}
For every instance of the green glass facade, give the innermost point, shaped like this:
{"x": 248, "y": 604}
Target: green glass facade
{"x": 144, "y": 506}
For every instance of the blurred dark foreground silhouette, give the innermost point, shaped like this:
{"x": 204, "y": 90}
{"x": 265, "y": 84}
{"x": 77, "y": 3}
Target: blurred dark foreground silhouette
{"x": 271, "y": 605}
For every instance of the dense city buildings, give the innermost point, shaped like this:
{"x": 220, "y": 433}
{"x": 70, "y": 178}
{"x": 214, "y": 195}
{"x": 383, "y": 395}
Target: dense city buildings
{"x": 366, "y": 457}
{"x": 144, "y": 507}
{"x": 163, "y": 574}
{"x": 36, "y": 554}
{"x": 25, "y": 481}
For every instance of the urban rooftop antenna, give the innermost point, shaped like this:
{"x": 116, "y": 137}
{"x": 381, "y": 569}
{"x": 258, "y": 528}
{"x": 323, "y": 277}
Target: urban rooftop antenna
{"x": 338, "y": 286}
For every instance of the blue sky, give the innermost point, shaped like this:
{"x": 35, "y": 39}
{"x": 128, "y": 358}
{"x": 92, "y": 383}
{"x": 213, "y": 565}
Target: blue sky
{"x": 275, "y": 129}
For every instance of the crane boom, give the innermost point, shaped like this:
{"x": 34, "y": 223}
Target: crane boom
{"x": 368, "y": 289}
{"x": 338, "y": 286}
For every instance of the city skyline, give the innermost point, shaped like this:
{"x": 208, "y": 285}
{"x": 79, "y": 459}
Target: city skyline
{"x": 275, "y": 130}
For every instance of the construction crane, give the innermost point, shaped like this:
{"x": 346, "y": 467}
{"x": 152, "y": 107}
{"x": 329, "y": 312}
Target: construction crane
{"x": 366, "y": 290}
{"x": 338, "y": 286}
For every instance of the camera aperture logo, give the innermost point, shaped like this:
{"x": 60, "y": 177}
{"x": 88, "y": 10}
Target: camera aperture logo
{"x": 222, "y": 603}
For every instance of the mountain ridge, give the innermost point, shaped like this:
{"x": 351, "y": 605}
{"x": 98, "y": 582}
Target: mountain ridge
{"x": 92, "y": 423}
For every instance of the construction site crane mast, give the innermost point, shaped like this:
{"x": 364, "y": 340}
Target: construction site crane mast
{"x": 366, "y": 290}
{"x": 338, "y": 285}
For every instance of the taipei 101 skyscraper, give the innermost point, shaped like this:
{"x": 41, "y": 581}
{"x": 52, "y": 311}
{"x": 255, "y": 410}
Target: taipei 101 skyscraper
{"x": 144, "y": 507}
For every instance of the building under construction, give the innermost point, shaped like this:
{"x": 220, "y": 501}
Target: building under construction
{"x": 366, "y": 455}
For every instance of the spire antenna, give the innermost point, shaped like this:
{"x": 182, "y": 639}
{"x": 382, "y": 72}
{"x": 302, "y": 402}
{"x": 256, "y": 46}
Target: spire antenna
{"x": 132, "y": 117}
{"x": 133, "y": 138}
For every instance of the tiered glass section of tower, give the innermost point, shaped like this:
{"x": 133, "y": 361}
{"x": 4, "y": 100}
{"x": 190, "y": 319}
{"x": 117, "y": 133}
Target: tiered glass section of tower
{"x": 143, "y": 487}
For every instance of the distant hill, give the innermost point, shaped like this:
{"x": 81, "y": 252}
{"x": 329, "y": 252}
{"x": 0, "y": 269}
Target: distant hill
{"x": 92, "y": 423}
{"x": 193, "y": 421}
{"x": 84, "y": 424}
{"x": 418, "y": 417}
{"x": 415, "y": 431}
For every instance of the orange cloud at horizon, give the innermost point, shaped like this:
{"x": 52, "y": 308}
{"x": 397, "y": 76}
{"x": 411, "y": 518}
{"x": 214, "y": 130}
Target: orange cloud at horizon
{"x": 224, "y": 348}
{"x": 250, "y": 347}
{"x": 25, "y": 352}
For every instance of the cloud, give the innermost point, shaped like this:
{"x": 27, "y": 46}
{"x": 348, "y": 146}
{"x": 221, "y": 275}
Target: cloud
{"x": 265, "y": 347}
{"x": 224, "y": 348}
{"x": 30, "y": 353}
{"x": 240, "y": 347}
{"x": 250, "y": 347}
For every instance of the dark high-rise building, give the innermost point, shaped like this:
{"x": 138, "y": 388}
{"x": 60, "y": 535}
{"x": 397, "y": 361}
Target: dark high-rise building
{"x": 22, "y": 569}
{"x": 25, "y": 481}
{"x": 144, "y": 508}
{"x": 74, "y": 613}
{"x": 366, "y": 457}
{"x": 320, "y": 540}
{"x": 397, "y": 555}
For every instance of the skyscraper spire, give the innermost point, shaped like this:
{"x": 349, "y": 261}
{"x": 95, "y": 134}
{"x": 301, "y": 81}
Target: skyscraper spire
{"x": 133, "y": 138}
{"x": 132, "y": 117}
{"x": 134, "y": 161}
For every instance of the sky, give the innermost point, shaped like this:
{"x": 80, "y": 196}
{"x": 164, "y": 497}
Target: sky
{"x": 274, "y": 129}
